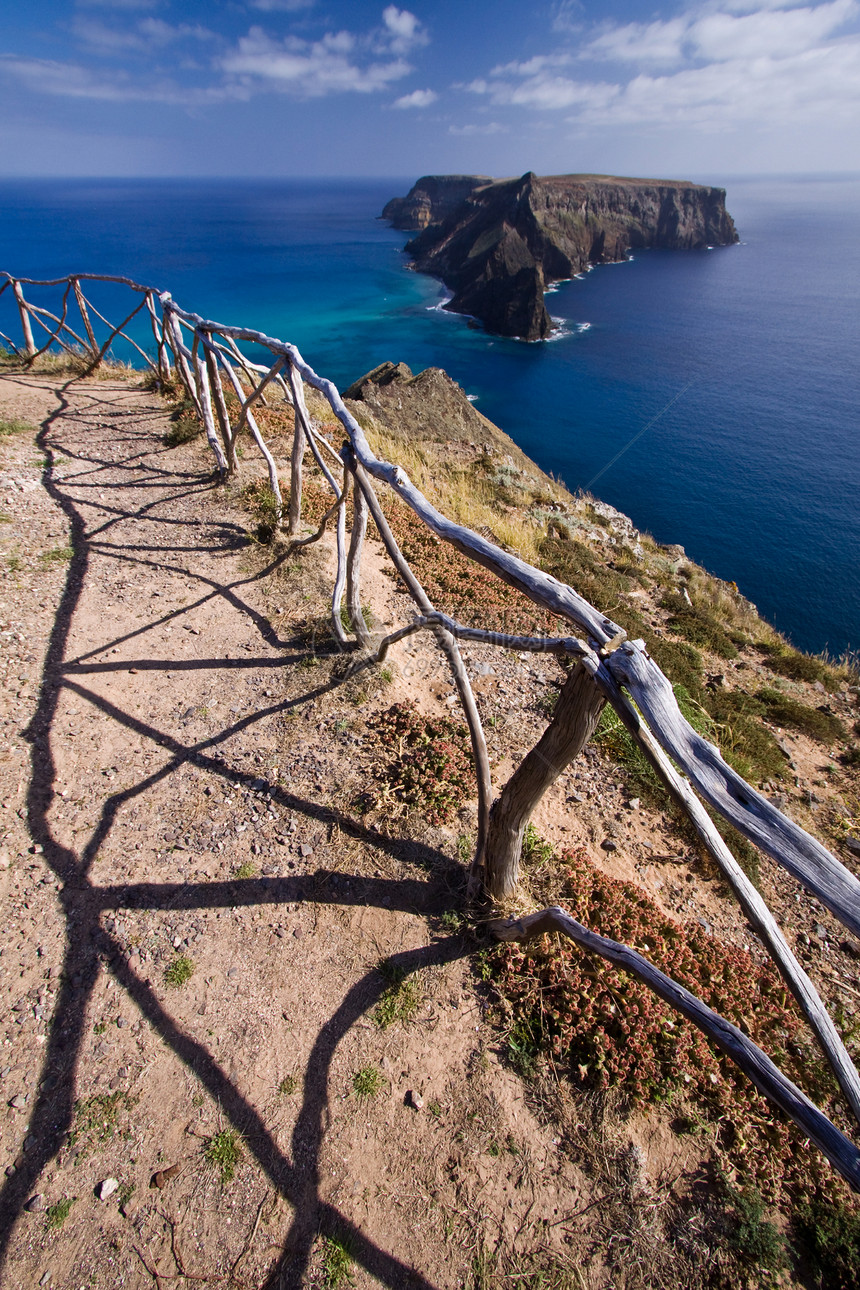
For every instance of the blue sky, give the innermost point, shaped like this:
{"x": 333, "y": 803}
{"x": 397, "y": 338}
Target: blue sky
{"x": 322, "y": 87}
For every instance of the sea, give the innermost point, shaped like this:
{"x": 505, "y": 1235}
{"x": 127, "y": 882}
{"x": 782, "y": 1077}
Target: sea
{"x": 713, "y": 396}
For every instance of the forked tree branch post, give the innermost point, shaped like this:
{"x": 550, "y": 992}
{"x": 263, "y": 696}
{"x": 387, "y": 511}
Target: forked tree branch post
{"x": 576, "y": 715}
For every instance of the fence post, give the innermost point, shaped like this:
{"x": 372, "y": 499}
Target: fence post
{"x": 29, "y": 343}
{"x": 574, "y": 720}
{"x": 85, "y": 318}
{"x": 298, "y": 453}
{"x": 353, "y": 567}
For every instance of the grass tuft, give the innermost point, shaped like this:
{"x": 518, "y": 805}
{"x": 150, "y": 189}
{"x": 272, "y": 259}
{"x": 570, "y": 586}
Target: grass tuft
{"x": 336, "y": 1262}
{"x": 401, "y": 998}
{"x": 367, "y": 1083}
{"x": 180, "y": 970}
{"x": 223, "y": 1151}
{"x": 59, "y": 555}
{"x": 185, "y": 425}
{"x": 56, "y": 1214}
{"x": 15, "y": 426}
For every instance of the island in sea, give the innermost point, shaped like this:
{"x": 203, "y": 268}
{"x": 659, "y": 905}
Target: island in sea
{"x": 497, "y": 244}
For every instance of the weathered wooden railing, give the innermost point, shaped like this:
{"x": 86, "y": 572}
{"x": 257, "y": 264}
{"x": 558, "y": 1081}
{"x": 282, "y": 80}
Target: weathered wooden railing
{"x": 605, "y": 667}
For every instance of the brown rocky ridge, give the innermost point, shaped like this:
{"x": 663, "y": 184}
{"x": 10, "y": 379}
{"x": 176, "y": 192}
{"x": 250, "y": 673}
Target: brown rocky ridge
{"x": 499, "y": 244}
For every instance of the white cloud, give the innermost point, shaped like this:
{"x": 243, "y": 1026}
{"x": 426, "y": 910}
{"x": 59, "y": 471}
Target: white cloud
{"x": 769, "y": 63}
{"x": 546, "y": 91}
{"x": 769, "y": 28}
{"x": 71, "y": 80}
{"x": 768, "y": 33}
{"x": 492, "y": 127}
{"x": 308, "y": 69}
{"x": 336, "y": 62}
{"x": 145, "y": 36}
{"x": 417, "y": 99}
{"x": 816, "y": 85}
{"x": 533, "y": 66}
{"x": 403, "y": 31}
{"x": 640, "y": 42}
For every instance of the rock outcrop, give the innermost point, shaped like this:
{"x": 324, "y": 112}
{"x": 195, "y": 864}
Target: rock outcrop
{"x": 431, "y": 200}
{"x": 499, "y": 244}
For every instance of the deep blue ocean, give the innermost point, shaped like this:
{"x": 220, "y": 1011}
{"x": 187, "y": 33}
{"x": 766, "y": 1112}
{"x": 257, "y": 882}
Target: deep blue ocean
{"x": 741, "y": 361}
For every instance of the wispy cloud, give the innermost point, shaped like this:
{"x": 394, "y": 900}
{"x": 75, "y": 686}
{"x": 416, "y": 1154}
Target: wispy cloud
{"x": 145, "y": 36}
{"x": 129, "y": 57}
{"x": 118, "y": 4}
{"x": 725, "y": 61}
{"x": 722, "y": 33}
{"x": 281, "y": 6}
{"x": 417, "y": 99}
{"x": 490, "y": 127}
{"x": 73, "y": 80}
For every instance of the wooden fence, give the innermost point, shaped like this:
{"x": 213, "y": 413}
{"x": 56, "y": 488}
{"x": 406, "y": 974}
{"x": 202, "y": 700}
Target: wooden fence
{"x": 604, "y": 666}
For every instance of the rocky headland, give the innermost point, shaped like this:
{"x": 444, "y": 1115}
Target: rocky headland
{"x": 498, "y": 244}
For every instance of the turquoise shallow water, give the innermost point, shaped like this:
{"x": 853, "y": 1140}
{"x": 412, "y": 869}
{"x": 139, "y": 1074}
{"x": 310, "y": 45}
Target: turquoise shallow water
{"x": 742, "y": 361}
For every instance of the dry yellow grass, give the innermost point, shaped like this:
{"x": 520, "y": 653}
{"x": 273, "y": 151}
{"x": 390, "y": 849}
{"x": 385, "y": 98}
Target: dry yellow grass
{"x": 455, "y": 490}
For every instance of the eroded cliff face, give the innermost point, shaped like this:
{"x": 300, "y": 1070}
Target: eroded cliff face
{"x": 501, "y": 244}
{"x": 431, "y": 200}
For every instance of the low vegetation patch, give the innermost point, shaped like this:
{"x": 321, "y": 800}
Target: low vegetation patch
{"x": 185, "y": 424}
{"x": 336, "y": 1263}
{"x": 58, "y": 555}
{"x": 401, "y": 998}
{"x": 433, "y": 767}
{"x": 178, "y": 971}
{"x": 829, "y": 1233}
{"x": 97, "y": 1120}
{"x": 781, "y": 658}
{"x": 604, "y": 1030}
{"x": 258, "y": 498}
{"x": 367, "y": 1083}
{"x": 56, "y": 1214}
{"x": 783, "y": 710}
{"x": 756, "y": 1239}
{"x": 14, "y": 426}
{"x": 222, "y": 1151}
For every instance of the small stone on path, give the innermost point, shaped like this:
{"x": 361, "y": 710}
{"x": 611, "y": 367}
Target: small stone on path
{"x": 106, "y": 1188}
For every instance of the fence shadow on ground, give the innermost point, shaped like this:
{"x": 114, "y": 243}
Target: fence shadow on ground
{"x": 90, "y": 949}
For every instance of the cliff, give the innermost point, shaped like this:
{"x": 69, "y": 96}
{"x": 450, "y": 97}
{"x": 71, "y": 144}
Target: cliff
{"x": 431, "y": 200}
{"x": 500, "y": 244}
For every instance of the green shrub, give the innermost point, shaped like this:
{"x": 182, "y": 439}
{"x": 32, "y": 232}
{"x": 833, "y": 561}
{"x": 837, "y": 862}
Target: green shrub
{"x": 830, "y": 1235}
{"x": 796, "y": 666}
{"x": 185, "y": 425}
{"x": 680, "y": 661}
{"x": 747, "y": 745}
{"x": 698, "y": 626}
{"x": 755, "y": 1239}
{"x": 259, "y": 499}
{"x": 785, "y": 711}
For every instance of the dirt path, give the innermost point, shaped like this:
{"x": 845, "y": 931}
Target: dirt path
{"x": 173, "y": 769}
